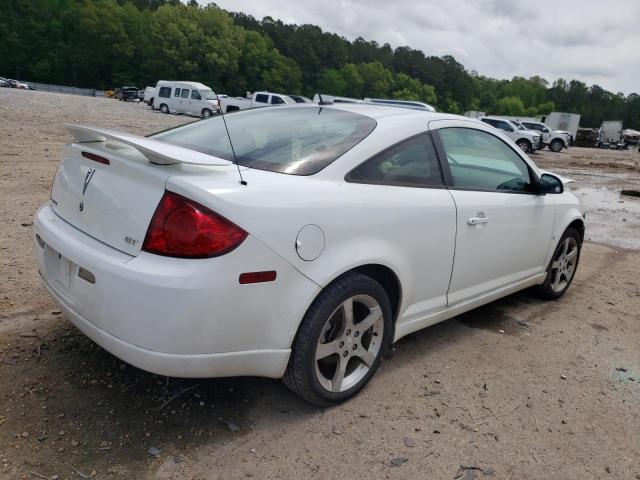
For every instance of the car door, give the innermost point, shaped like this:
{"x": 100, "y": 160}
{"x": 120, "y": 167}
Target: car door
{"x": 416, "y": 217}
{"x": 184, "y": 105}
{"x": 504, "y": 229}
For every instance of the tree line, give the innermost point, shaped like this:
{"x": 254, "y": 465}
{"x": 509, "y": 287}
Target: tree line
{"x": 107, "y": 43}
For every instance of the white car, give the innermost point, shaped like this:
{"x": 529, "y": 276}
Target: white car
{"x": 255, "y": 100}
{"x": 556, "y": 140}
{"x": 528, "y": 141}
{"x": 341, "y": 229}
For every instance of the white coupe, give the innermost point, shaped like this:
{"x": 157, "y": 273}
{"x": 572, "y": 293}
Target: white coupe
{"x": 302, "y": 248}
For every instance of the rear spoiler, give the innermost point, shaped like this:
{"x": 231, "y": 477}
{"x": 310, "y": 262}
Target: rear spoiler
{"x": 155, "y": 151}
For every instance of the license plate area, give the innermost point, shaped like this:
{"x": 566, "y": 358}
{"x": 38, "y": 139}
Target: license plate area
{"x": 59, "y": 272}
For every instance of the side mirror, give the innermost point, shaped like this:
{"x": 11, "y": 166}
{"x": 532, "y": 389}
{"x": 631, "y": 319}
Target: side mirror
{"x": 549, "y": 184}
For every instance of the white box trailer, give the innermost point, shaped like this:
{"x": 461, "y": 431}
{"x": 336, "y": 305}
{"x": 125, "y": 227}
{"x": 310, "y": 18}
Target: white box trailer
{"x": 611, "y": 132}
{"x": 564, "y": 122}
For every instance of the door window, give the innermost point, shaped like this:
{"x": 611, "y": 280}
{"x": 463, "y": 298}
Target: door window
{"x": 176, "y": 93}
{"x": 275, "y": 100}
{"x": 165, "y": 92}
{"x": 195, "y": 95}
{"x": 410, "y": 163}
{"x": 185, "y": 93}
{"x": 262, "y": 98}
{"x": 480, "y": 161}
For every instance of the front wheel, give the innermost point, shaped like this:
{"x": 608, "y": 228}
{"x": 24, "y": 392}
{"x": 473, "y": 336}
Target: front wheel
{"x": 341, "y": 340}
{"x": 562, "y": 267}
{"x": 556, "y": 145}
{"x": 524, "y": 145}
{"x": 206, "y": 113}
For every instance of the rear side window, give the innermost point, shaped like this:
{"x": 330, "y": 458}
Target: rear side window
{"x": 185, "y": 93}
{"x": 262, "y": 98}
{"x": 297, "y": 141}
{"x": 275, "y": 100}
{"x": 176, "y": 93}
{"x": 480, "y": 161}
{"x": 165, "y": 92}
{"x": 412, "y": 163}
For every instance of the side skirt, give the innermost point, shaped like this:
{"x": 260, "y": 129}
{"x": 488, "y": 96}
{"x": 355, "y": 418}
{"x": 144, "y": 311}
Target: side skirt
{"x": 451, "y": 311}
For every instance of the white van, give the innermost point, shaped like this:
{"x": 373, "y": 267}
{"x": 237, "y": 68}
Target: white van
{"x": 192, "y": 98}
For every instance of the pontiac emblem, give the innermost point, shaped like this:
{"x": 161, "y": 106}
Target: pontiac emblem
{"x": 81, "y": 206}
{"x": 87, "y": 180}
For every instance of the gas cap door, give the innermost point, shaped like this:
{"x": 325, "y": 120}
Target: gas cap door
{"x": 310, "y": 242}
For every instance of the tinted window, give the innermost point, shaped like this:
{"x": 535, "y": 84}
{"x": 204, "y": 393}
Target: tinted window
{"x": 411, "y": 163}
{"x": 297, "y": 141}
{"x": 185, "y": 93}
{"x": 480, "y": 161}
{"x": 195, "y": 95}
{"x": 276, "y": 100}
{"x": 176, "y": 93}
{"x": 262, "y": 98}
{"x": 165, "y": 92}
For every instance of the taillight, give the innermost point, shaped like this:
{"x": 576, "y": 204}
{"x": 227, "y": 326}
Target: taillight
{"x": 183, "y": 228}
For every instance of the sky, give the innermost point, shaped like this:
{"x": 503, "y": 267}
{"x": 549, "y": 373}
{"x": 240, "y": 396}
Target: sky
{"x": 595, "y": 41}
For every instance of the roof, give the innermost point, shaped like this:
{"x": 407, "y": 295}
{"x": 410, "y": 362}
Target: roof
{"x": 189, "y": 84}
{"x": 379, "y": 111}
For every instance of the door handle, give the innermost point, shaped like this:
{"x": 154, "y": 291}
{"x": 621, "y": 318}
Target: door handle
{"x": 477, "y": 220}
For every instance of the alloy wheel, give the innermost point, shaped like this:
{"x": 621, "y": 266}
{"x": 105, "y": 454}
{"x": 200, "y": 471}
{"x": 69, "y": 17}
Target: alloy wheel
{"x": 564, "y": 264}
{"x": 349, "y": 343}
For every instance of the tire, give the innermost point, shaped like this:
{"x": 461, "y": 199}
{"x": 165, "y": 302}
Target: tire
{"x": 315, "y": 377}
{"x": 556, "y": 145}
{"x": 206, "y": 113}
{"x": 164, "y": 108}
{"x": 524, "y": 145}
{"x": 151, "y": 103}
{"x": 562, "y": 261}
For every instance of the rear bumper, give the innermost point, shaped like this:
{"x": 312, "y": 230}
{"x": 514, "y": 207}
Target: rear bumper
{"x": 175, "y": 317}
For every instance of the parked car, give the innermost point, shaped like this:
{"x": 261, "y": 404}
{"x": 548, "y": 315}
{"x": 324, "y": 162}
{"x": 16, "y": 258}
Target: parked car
{"x": 4, "y": 83}
{"x": 17, "y": 84}
{"x": 338, "y": 238}
{"x": 147, "y": 97}
{"x": 127, "y": 94}
{"x": 401, "y": 103}
{"x": 527, "y": 141}
{"x": 300, "y": 99}
{"x": 256, "y": 99}
{"x": 192, "y": 98}
{"x": 555, "y": 140}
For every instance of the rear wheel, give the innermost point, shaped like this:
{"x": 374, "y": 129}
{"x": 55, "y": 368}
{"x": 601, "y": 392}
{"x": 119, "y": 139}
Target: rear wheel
{"x": 562, "y": 267}
{"x": 206, "y": 113}
{"x": 524, "y": 145}
{"x": 341, "y": 340}
{"x": 164, "y": 108}
{"x": 556, "y": 145}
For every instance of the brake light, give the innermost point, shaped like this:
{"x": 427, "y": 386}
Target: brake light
{"x": 96, "y": 158}
{"x": 183, "y": 228}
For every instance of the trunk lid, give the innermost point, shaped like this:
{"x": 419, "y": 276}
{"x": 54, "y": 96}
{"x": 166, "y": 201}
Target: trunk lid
{"x": 113, "y": 203}
{"x": 114, "y": 200}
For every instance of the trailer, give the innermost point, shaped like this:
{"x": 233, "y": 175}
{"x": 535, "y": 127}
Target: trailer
{"x": 610, "y": 135}
{"x": 565, "y": 122}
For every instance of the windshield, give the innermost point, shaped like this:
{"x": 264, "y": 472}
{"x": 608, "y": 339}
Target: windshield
{"x": 296, "y": 141}
{"x": 208, "y": 94}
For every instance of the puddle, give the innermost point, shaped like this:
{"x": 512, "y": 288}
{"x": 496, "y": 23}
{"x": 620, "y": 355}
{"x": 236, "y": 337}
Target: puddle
{"x": 612, "y": 219}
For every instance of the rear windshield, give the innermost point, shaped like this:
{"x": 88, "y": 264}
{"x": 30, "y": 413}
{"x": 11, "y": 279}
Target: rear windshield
{"x": 296, "y": 141}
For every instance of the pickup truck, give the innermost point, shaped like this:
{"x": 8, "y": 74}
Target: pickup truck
{"x": 556, "y": 140}
{"x": 527, "y": 140}
{"x": 257, "y": 99}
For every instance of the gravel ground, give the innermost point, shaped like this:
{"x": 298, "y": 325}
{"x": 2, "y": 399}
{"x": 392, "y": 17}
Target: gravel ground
{"x": 519, "y": 389}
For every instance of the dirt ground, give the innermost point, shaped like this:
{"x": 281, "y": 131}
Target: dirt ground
{"x": 519, "y": 389}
